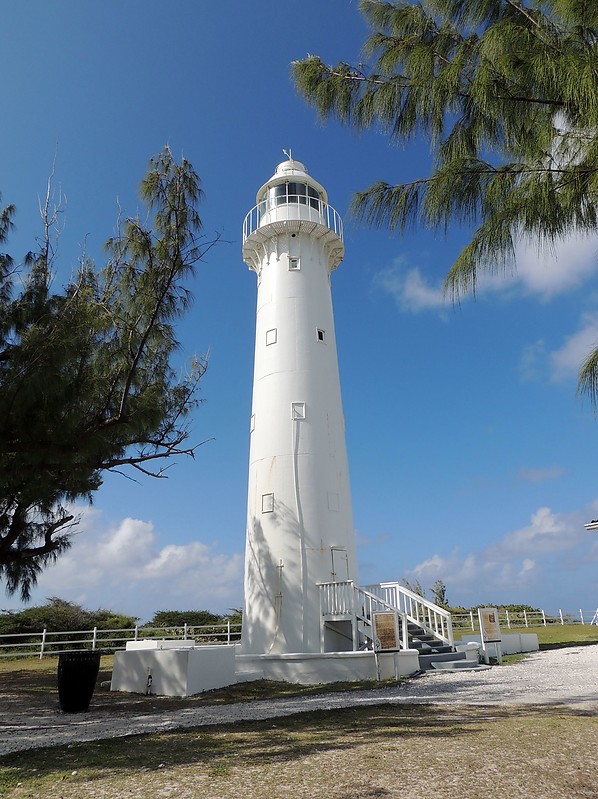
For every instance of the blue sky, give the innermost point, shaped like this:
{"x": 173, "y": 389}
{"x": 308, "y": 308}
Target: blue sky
{"x": 472, "y": 460}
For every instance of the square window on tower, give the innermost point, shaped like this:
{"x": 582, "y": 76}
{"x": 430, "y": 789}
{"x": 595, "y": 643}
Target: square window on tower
{"x": 297, "y": 410}
{"x": 267, "y": 503}
{"x": 321, "y": 334}
{"x": 271, "y": 336}
{"x": 294, "y": 264}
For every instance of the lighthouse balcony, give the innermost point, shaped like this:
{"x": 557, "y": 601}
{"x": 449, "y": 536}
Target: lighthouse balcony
{"x": 316, "y": 218}
{"x": 296, "y": 207}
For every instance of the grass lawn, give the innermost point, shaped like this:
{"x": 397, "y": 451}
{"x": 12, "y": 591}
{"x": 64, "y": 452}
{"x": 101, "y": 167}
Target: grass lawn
{"x": 404, "y": 751}
{"x": 355, "y": 753}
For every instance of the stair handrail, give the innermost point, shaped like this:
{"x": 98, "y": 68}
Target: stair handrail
{"x": 371, "y": 603}
{"x": 344, "y": 598}
{"x": 419, "y": 610}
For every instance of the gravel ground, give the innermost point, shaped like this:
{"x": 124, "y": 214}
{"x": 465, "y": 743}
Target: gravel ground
{"x": 562, "y": 676}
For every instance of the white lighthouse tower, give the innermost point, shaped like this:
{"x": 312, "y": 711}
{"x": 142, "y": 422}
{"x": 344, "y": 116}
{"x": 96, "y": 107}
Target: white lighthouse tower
{"x": 299, "y": 523}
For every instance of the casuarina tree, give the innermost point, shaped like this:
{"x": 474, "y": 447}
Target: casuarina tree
{"x": 506, "y": 92}
{"x": 87, "y": 383}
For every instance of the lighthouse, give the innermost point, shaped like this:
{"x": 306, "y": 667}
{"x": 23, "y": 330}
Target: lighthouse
{"x": 300, "y": 531}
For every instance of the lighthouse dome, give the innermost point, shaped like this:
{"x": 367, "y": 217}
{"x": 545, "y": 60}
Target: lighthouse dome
{"x": 299, "y": 182}
{"x": 291, "y": 201}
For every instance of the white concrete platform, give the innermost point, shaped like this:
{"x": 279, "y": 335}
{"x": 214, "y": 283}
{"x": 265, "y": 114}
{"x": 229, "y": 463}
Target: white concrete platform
{"x": 510, "y": 643}
{"x": 186, "y": 670}
{"x": 328, "y": 667}
{"x": 182, "y": 671}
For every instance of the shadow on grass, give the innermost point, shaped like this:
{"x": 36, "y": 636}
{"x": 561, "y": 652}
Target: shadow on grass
{"x": 216, "y": 749}
{"x": 244, "y": 743}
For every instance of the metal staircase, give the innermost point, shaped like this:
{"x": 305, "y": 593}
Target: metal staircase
{"x": 347, "y": 621}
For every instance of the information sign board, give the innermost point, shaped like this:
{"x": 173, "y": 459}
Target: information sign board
{"x": 386, "y": 630}
{"x": 489, "y": 626}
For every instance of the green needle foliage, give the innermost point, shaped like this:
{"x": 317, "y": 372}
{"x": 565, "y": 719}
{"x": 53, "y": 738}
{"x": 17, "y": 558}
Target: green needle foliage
{"x": 506, "y": 92}
{"x": 86, "y": 383}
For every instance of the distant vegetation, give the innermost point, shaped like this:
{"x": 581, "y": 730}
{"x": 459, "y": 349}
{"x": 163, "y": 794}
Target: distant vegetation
{"x": 58, "y": 615}
{"x": 437, "y": 594}
{"x": 193, "y": 618}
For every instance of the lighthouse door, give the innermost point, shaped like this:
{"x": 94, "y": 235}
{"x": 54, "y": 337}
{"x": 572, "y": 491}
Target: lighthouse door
{"x": 339, "y": 563}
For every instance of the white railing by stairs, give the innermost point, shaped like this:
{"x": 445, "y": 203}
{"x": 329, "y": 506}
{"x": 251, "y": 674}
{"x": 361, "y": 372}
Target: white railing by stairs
{"x": 342, "y": 600}
{"x": 432, "y": 618}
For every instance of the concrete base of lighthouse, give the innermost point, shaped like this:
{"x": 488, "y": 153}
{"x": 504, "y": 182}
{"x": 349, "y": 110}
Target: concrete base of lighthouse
{"x": 328, "y": 667}
{"x": 179, "y": 669}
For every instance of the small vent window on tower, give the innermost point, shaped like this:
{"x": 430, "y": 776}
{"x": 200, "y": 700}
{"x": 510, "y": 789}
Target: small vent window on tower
{"x": 252, "y": 423}
{"x": 321, "y": 334}
{"x": 271, "y": 336}
{"x": 297, "y": 410}
{"x": 267, "y": 503}
{"x": 294, "y": 264}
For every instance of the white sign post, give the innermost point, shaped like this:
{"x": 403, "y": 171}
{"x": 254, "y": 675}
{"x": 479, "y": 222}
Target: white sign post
{"x": 490, "y": 632}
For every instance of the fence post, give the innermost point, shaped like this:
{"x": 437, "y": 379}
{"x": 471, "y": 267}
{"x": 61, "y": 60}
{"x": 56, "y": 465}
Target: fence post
{"x": 136, "y": 633}
{"x": 95, "y": 638}
{"x": 43, "y": 643}
{"x": 581, "y": 614}
{"x": 472, "y": 621}
{"x": 228, "y": 631}
{"x": 185, "y": 631}
{"x": 525, "y": 617}
{"x": 544, "y": 617}
{"x": 508, "y": 619}
{"x": 561, "y": 615}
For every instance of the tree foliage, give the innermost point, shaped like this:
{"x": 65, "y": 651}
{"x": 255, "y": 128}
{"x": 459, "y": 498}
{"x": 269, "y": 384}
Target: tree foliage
{"x": 506, "y": 92}
{"x": 178, "y": 618}
{"x": 58, "y": 615}
{"x": 86, "y": 381}
{"x": 439, "y": 594}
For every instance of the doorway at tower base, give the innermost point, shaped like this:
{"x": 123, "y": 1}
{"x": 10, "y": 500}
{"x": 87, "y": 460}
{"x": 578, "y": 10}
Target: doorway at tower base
{"x": 313, "y": 669}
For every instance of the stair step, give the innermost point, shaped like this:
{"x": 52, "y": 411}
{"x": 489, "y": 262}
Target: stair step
{"x": 459, "y": 665}
{"x": 427, "y": 659}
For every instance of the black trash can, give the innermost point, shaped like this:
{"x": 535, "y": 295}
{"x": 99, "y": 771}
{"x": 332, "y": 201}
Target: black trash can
{"x": 77, "y": 675}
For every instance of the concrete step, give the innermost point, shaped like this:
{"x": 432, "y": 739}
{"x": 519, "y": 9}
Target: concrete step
{"x": 427, "y": 659}
{"x": 458, "y": 665}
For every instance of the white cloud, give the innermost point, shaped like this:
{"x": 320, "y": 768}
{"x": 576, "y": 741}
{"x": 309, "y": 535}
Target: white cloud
{"x": 125, "y": 566}
{"x": 566, "y": 361}
{"x": 409, "y": 289}
{"x": 537, "y": 557}
{"x": 541, "y": 475}
{"x": 543, "y": 272}
{"x": 533, "y": 361}
{"x": 551, "y": 270}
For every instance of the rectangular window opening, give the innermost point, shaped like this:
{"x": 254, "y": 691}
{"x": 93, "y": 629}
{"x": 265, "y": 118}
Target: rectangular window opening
{"x": 267, "y": 503}
{"x": 294, "y": 264}
{"x": 321, "y": 334}
{"x": 271, "y": 336}
{"x": 297, "y": 410}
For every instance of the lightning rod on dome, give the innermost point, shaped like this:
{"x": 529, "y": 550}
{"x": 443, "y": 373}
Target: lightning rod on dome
{"x": 288, "y": 153}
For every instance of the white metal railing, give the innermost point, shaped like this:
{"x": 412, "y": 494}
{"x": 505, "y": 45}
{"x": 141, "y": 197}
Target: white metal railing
{"x": 527, "y": 618}
{"x": 337, "y": 599}
{"x": 345, "y": 598}
{"x": 46, "y": 642}
{"x": 310, "y": 209}
{"x": 419, "y": 610}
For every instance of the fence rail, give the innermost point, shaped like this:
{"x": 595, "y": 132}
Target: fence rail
{"x": 45, "y": 642}
{"x": 53, "y": 643}
{"x": 537, "y": 618}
